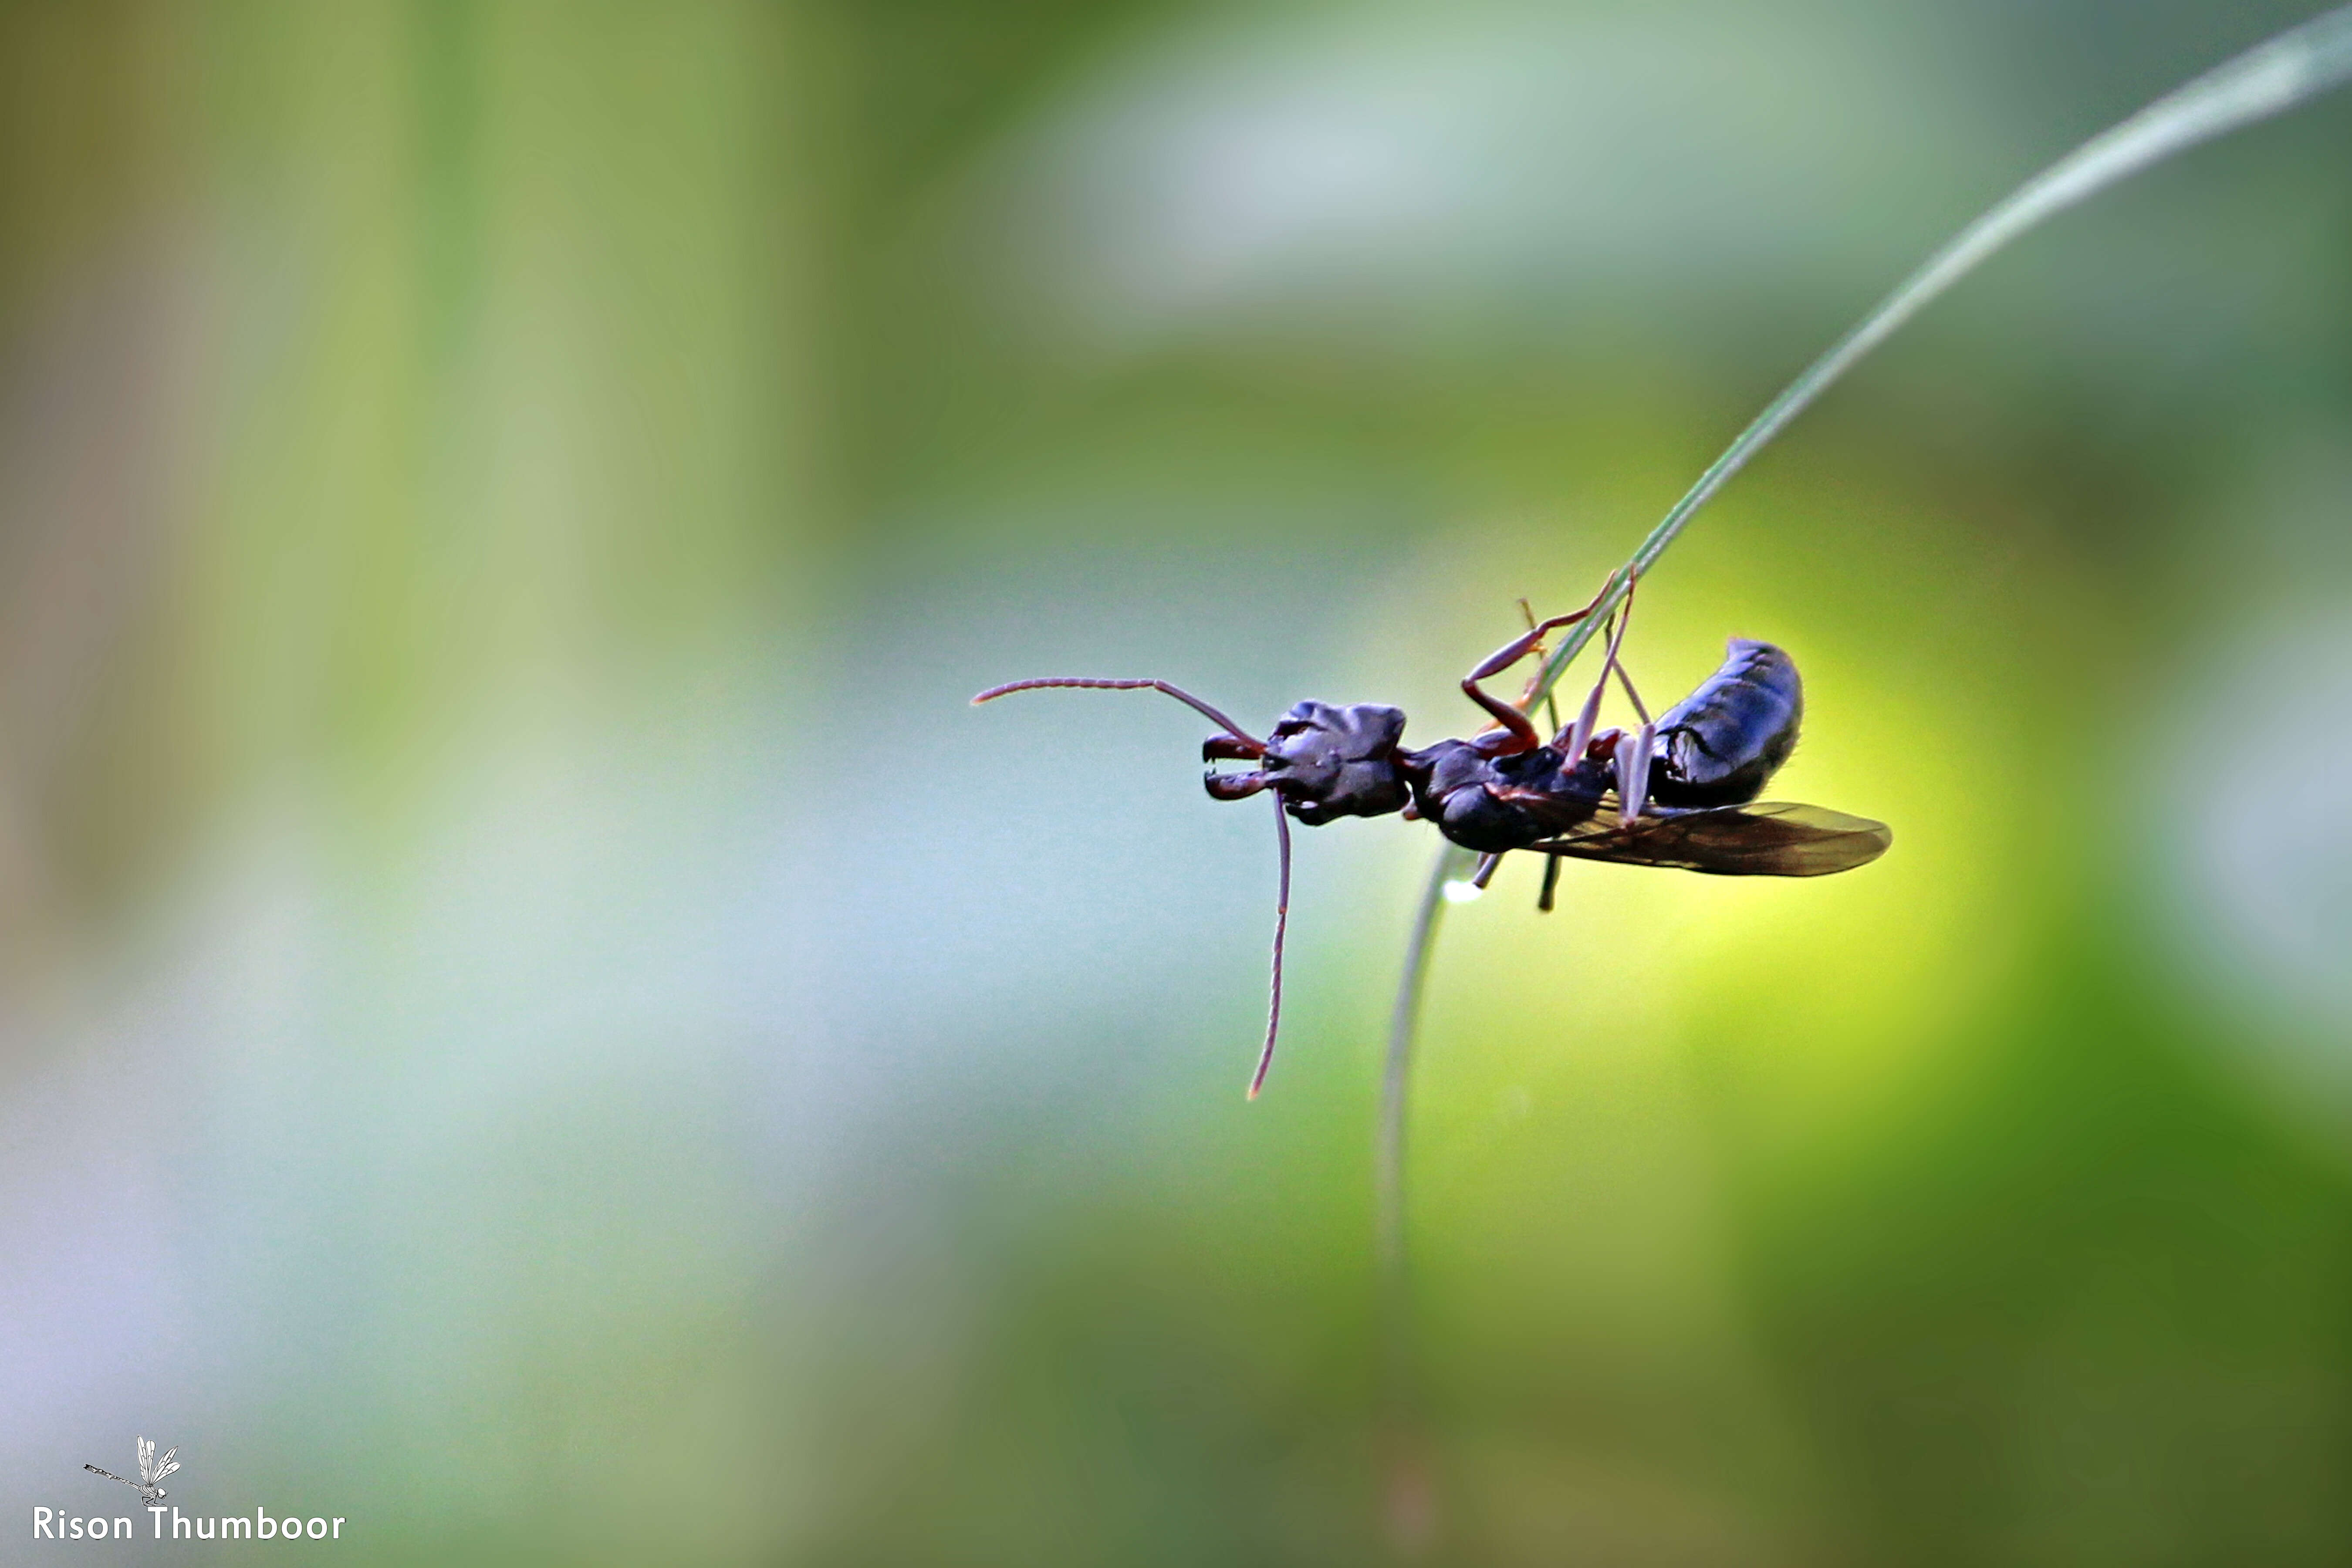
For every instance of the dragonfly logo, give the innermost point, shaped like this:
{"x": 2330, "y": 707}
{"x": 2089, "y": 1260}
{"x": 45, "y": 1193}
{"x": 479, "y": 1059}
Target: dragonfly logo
{"x": 151, "y": 1471}
{"x": 166, "y": 1521}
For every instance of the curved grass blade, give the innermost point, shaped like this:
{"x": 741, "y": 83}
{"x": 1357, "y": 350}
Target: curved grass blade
{"x": 2270, "y": 78}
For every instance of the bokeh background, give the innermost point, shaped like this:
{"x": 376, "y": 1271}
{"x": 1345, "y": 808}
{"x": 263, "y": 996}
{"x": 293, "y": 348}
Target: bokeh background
{"x": 533, "y": 1015}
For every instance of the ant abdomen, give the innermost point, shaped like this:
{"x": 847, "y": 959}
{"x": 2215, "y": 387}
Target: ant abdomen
{"x": 1720, "y": 744}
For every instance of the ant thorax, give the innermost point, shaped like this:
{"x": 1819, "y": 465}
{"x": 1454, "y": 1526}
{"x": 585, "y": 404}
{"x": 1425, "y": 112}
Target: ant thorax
{"x": 1494, "y": 804}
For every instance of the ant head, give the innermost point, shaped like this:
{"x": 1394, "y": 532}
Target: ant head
{"x": 1328, "y": 760}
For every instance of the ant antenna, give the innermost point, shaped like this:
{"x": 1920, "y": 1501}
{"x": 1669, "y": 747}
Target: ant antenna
{"x": 1281, "y": 820}
{"x": 1091, "y": 683}
{"x": 1281, "y": 927}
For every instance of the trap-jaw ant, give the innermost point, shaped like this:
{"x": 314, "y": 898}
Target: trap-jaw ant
{"x": 1679, "y": 791}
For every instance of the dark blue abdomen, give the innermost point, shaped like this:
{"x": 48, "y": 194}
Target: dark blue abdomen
{"x": 1718, "y": 745}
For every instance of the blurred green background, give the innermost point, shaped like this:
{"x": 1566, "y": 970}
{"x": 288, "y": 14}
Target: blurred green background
{"x": 533, "y": 1018}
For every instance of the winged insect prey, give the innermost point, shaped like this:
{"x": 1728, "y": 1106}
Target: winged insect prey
{"x": 1679, "y": 791}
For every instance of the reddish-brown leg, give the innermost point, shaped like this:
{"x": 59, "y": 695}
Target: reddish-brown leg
{"x": 1551, "y": 699}
{"x": 1518, "y": 733}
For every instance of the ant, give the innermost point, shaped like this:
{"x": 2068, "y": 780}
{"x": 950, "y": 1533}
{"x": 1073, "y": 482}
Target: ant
{"x": 1679, "y": 791}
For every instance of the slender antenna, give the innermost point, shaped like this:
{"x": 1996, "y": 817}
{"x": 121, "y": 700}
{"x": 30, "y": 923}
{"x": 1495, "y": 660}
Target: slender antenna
{"x": 1281, "y": 929}
{"x": 1093, "y": 684}
{"x": 1281, "y": 820}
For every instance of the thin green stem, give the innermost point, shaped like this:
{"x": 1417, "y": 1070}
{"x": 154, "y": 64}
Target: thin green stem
{"x": 1406, "y": 1480}
{"x": 1403, "y": 1021}
{"x": 2294, "y": 67}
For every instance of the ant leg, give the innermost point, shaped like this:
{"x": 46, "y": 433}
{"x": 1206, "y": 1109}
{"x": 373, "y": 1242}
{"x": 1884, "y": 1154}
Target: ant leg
{"x": 1550, "y": 881}
{"x": 1631, "y": 696}
{"x": 1485, "y": 871}
{"x": 1579, "y": 735}
{"x": 1552, "y": 701}
{"x": 1521, "y": 735}
{"x": 1632, "y": 757}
